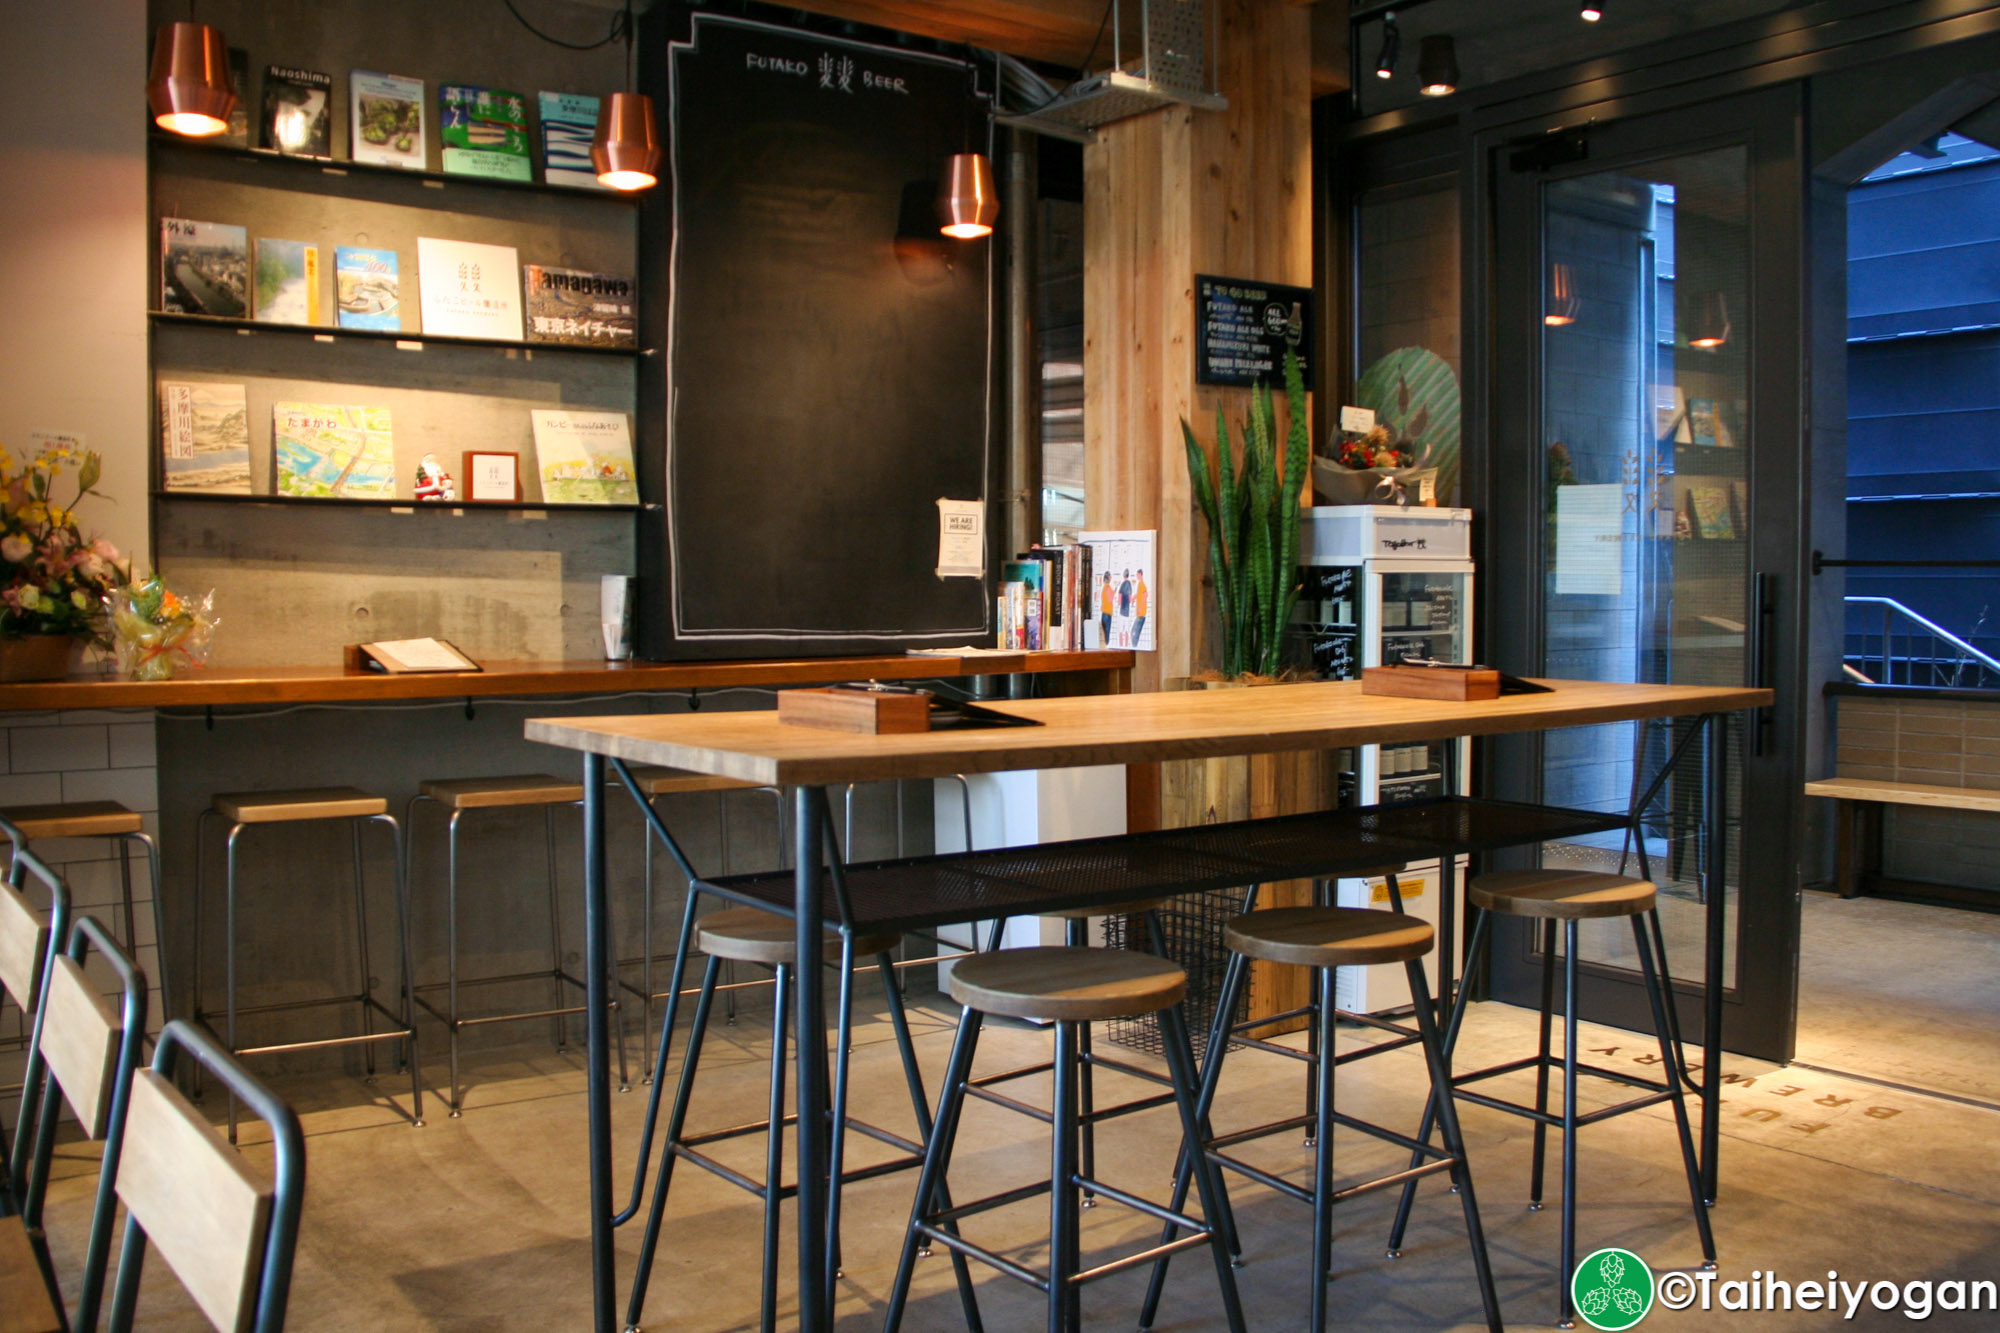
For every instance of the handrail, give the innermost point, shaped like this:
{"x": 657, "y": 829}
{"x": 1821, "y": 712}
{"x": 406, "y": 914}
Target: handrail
{"x": 1934, "y": 628}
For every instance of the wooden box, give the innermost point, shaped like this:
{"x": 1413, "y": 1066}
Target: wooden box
{"x": 875, "y": 712}
{"x": 1412, "y": 682}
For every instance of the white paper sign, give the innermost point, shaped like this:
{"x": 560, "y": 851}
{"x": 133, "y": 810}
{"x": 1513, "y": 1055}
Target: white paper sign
{"x": 1357, "y": 420}
{"x": 961, "y": 539}
{"x": 1590, "y": 539}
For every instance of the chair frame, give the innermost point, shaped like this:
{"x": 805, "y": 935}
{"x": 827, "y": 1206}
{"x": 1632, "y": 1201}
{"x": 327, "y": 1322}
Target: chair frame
{"x": 13, "y": 1171}
{"x": 183, "y": 1041}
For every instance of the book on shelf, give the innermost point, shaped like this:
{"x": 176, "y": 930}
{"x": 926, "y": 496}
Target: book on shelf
{"x": 1122, "y": 590}
{"x": 403, "y": 656}
{"x": 386, "y": 117}
{"x": 584, "y": 457}
{"x": 567, "y": 305}
{"x": 1045, "y": 598}
{"x": 1026, "y": 590}
{"x": 204, "y": 437}
{"x": 204, "y": 268}
{"x": 484, "y": 132}
{"x": 298, "y": 111}
{"x": 334, "y": 451}
{"x": 364, "y": 288}
{"x": 1706, "y": 424}
{"x": 288, "y": 282}
{"x": 469, "y": 290}
{"x": 569, "y": 125}
{"x": 1712, "y": 511}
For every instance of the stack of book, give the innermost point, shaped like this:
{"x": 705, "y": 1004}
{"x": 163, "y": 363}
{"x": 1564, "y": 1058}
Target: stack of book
{"x": 1043, "y": 600}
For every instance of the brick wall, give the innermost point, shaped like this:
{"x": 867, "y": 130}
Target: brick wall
{"x": 1946, "y": 743}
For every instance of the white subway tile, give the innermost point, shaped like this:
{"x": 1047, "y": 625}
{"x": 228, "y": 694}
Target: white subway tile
{"x": 134, "y": 788}
{"x": 30, "y": 789}
{"x": 45, "y": 749}
{"x": 132, "y": 745}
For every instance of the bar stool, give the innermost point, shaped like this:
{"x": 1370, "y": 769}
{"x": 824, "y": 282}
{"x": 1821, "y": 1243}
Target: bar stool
{"x": 1566, "y": 897}
{"x": 1068, "y": 988}
{"x": 100, "y": 819}
{"x": 750, "y": 935}
{"x": 1323, "y": 939}
{"x": 458, "y": 797}
{"x": 654, "y": 784}
{"x": 240, "y": 811}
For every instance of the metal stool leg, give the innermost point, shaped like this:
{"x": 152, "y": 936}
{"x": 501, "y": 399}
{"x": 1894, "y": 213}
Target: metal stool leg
{"x": 1670, "y": 1059}
{"x": 196, "y": 998}
{"x": 229, "y": 957}
{"x": 1322, "y": 1069}
{"x": 937, "y": 1159}
{"x": 558, "y": 998}
{"x": 774, "y": 1147}
{"x": 406, "y": 967}
{"x": 1454, "y": 1139}
{"x": 1568, "y": 1265}
{"x": 361, "y": 951}
{"x": 1481, "y": 923}
{"x": 159, "y": 921}
{"x": 1065, "y": 1224}
{"x": 451, "y": 957}
{"x": 1542, "y": 1069}
{"x": 1208, "y": 1180}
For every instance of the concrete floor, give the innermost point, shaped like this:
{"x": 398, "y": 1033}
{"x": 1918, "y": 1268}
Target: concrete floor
{"x": 478, "y": 1223}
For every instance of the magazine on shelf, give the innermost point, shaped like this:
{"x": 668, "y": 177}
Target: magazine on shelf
{"x": 288, "y": 282}
{"x": 568, "y": 305}
{"x": 364, "y": 288}
{"x": 584, "y": 457}
{"x": 204, "y": 268}
{"x": 204, "y": 437}
{"x": 334, "y": 451}
{"x": 484, "y": 132}
{"x": 1120, "y": 604}
{"x": 468, "y": 290}
{"x": 569, "y": 124}
{"x": 298, "y": 111}
{"x": 386, "y": 118}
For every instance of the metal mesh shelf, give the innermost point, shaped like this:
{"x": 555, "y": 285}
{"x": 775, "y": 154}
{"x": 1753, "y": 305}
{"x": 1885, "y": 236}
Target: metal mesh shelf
{"x": 922, "y": 892}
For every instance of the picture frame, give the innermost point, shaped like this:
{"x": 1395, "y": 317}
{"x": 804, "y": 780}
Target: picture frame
{"x": 492, "y": 476}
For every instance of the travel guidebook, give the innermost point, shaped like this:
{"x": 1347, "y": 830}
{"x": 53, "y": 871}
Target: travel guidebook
{"x": 334, "y": 450}
{"x": 585, "y": 457}
{"x": 204, "y": 438}
{"x": 469, "y": 290}
{"x": 364, "y": 288}
{"x": 204, "y": 268}
{"x": 288, "y": 282}
{"x": 484, "y": 132}
{"x": 567, "y": 305}
{"x": 569, "y": 124}
{"x": 387, "y": 114}
{"x": 298, "y": 111}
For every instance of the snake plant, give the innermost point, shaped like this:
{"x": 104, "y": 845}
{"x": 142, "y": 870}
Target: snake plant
{"x": 1253, "y": 525}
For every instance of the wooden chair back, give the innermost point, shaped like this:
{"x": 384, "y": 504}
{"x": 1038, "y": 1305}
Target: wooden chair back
{"x": 227, "y": 1230}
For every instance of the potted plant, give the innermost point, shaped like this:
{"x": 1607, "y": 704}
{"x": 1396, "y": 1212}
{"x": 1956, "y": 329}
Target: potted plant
{"x": 53, "y": 580}
{"x": 1253, "y": 525}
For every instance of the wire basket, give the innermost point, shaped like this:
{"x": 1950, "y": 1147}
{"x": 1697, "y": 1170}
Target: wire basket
{"x": 1192, "y": 924}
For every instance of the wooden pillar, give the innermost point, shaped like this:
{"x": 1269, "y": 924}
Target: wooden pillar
{"x": 1168, "y": 195}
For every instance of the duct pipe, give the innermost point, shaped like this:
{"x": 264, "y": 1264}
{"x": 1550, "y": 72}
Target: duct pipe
{"x": 1021, "y": 211}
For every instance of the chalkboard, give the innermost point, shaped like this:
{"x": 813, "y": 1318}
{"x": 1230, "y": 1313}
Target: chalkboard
{"x": 828, "y": 355}
{"x": 1242, "y": 328}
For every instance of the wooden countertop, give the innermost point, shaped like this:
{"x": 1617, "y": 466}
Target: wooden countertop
{"x": 331, "y": 684}
{"x": 1117, "y": 729}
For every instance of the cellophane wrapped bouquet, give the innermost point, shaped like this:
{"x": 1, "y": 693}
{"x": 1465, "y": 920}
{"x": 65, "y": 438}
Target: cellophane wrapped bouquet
{"x": 155, "y": 632}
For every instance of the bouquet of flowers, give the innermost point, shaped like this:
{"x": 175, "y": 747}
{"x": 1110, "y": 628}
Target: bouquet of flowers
{"x": 1374, "y": 450}
{"x": 52, "y": 580}
{"x": 156, "y": 632}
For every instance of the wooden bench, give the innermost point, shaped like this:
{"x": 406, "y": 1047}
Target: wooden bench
{"x": 1858, "y": 806}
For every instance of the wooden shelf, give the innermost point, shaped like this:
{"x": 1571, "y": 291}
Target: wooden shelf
{"x": 218, "y": 687}
{"x": 336, "y": 502}
{"x": 313, "y": 172}
{"x": 334, "y": 333}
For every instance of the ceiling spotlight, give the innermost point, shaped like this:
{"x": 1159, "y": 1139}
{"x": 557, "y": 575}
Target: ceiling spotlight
{"x": 1392, "y": 46}
{"x": 1437, "y": 67}
{"x": 1590, "y": 12}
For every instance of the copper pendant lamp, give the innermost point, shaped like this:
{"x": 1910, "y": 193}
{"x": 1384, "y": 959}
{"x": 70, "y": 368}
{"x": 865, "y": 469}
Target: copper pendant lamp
{"x": 968, "y": 203}
{"x": 626, "y": 148}
{"x": 189, "y": 89}
{"x": 1562, "y": 296}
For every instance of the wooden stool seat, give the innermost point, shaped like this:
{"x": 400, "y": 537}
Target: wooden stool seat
{"x": 77, "y": 819}
{"x": 25, "y": 1306}
{"x": 1067, "y": 984}
{"x": 1328, "y": 936}
{"x": 279, "y": 807}
{"x": 1129, "y": 908}
{"x": 1561, "y": 895}
{"x": 655, "y": 781}
{"x": 751, "y": 935}
{"x": 514, "y": 789}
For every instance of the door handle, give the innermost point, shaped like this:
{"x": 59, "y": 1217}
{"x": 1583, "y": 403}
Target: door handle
{"x": 1763, "y": 659}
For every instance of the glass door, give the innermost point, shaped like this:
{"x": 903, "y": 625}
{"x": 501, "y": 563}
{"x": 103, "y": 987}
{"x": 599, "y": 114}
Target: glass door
{"x": 1651, "y": 519}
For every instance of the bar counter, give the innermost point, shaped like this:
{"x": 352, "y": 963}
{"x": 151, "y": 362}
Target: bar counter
{"x": 332, "y": 684}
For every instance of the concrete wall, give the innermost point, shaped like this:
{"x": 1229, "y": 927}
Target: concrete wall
{"x": 1947, "y": 743}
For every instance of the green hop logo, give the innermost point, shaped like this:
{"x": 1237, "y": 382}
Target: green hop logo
{"x": 1613, "y": 1289}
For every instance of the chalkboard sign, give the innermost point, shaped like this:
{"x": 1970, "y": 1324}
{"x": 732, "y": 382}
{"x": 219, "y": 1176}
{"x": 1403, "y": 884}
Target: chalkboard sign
{"x": 829, "y": 354}
{"x": 1242, "y": 328}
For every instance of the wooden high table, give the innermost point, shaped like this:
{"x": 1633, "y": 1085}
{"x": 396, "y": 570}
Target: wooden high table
{"x": 1108, "y": 729}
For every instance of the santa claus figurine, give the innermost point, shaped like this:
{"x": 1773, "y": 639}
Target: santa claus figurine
{"x": 433, "y": 482}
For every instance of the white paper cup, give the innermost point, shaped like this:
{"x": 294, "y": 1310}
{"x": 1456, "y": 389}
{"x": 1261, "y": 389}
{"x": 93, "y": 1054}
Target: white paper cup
{"x": 617, "y": 647}
{"x": 615, "y": 613}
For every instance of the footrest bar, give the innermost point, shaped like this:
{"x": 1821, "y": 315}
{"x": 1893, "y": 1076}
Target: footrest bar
{"x": 1262, "y": 1177}
{"x": 1230, "y": 1140}
{"x": 961, "y": 1245}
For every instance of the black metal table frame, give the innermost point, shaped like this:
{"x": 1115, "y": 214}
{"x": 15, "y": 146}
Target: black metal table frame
{"x": 809, "y": 856}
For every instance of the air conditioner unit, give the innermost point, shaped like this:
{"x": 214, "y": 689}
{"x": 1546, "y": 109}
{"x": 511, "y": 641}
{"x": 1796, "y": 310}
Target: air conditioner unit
{"x": 1172, "y": 69}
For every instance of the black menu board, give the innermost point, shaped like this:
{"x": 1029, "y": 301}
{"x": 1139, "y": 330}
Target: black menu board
{"x": 829, "y": 352}
{"x": 1242, "y": 328}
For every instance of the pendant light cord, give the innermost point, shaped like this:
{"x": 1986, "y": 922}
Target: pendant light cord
{"x": 621, "y": 26}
